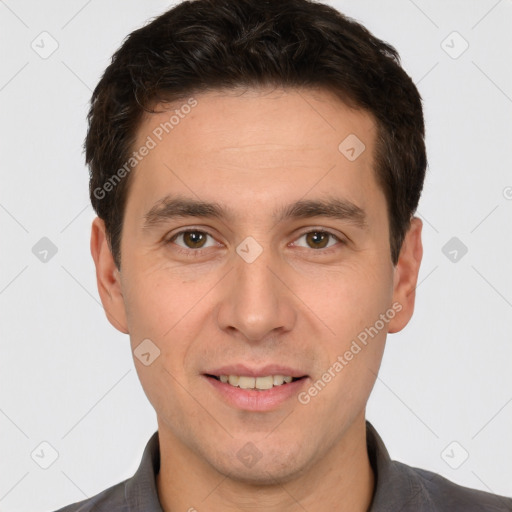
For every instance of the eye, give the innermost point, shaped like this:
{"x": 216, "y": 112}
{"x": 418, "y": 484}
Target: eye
{"x": 194, "y": 240}
{"x": 319, "y": 239}
{"x": 191, "y": 239}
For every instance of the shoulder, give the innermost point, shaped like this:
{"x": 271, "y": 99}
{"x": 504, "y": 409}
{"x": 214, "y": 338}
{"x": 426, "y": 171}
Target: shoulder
{"x": 136, "y": 493}
{"x": 404, "y": 488}
{"x": 109, "y": 500}
{"x": 445, "y": 495}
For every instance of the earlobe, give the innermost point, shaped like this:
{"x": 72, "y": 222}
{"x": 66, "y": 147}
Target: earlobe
{"x": 107, "y": 277}
{"x": 406, "y": 275}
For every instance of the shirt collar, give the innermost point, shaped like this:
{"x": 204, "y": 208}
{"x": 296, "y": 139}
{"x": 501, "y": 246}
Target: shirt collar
{"x": 140, "y": 491}
{"x": 397, "y": 487}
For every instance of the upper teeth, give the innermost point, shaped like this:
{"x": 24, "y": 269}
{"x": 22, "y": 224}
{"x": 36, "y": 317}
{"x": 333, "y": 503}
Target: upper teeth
{"x": 255, "y": 382}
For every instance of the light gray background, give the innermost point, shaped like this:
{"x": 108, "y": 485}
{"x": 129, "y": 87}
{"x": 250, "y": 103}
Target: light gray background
{"x": 67, "y": 376}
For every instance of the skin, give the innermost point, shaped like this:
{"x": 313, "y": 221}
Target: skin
{"x": 254, "y": 151}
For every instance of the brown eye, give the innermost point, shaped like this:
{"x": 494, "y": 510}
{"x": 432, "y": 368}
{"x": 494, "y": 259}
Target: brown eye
{"x": 317, "y": 239}
{"x": 191, "y": 239}
{"x": 194, "y": 239}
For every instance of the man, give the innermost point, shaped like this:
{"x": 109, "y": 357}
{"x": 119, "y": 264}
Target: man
{"x": 255, "y": 168}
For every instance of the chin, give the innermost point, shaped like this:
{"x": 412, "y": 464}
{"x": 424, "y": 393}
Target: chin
{"x": 263, "y": 467}
{"x": 263, "y": 476}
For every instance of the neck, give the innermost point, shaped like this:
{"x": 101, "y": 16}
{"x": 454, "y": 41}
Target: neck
{"x": 342, "y": 480}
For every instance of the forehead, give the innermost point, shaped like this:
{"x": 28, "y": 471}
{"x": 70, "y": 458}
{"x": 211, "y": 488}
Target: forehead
{"x": 235, "y": 117}
{"x": 261, "y": 143}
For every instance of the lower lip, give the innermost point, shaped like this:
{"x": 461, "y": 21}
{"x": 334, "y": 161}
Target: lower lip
{"x": 252, "y": 400}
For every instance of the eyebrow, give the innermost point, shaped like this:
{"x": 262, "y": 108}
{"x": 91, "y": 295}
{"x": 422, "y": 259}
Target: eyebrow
{"x": 171, "y": 207}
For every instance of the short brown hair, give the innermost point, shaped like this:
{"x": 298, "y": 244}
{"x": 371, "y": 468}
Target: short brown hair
{"x": 204, "y": 45}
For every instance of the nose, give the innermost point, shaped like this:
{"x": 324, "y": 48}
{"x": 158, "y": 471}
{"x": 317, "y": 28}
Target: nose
{"x": 257, "y": 303}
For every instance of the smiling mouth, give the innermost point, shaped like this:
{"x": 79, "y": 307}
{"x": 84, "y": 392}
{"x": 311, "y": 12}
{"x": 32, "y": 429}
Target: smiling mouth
{"x": 255, "y": 383}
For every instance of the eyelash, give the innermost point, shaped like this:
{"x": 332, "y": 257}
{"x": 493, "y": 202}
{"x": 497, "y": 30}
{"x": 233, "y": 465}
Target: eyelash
{"x": 198, "y": 252}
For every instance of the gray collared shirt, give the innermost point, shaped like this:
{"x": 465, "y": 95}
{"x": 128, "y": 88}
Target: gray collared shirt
{"x": 399, "y": 488}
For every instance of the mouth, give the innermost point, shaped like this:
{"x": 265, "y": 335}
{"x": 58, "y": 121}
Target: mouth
{"x": 264, "y": 389}
{"x": 262, "y": 383}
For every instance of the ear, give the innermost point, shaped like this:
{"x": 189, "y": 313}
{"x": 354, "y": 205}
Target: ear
{"x": 406, "y": 275}
{"x": 107, "y": 277}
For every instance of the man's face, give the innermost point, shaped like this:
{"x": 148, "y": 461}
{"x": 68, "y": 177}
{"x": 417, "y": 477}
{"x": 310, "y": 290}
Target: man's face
{"x": 257, "y": 292}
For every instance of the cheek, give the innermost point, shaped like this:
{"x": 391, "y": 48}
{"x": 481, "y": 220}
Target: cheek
{"x": 155, "y": 299}
{"x": 168, "y": 311}
{"x": 350, "y": 304}
{"x": 353, "y": 308}
{"x": 349, "y": 299}
{"x": 159, "y": 315}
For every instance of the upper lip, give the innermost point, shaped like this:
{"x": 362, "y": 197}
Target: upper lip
{"x": 263, "y": 371}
